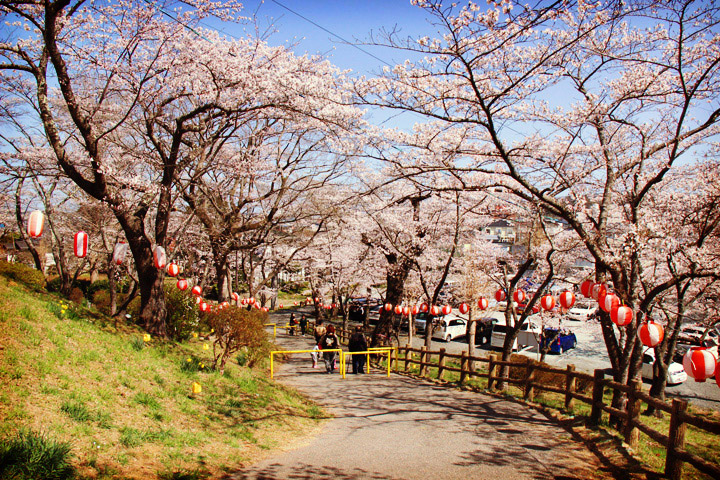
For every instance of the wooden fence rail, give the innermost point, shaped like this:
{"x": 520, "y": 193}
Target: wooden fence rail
{"x": 631, "y": 426}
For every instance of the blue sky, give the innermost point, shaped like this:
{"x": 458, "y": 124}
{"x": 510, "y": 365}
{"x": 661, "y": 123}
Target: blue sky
{"x": 350, "y": 19}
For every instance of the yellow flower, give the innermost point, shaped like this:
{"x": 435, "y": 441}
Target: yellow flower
{"x": 188, "y": 359}
{"x": 202, "y": 366}
{"x": 195, "y": 335}
{"x": 206, "y": 346}
{"x": 212, "y": 330}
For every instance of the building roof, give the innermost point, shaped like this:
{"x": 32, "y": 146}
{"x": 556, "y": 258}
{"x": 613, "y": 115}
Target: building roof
{"x": 502, "y": 223}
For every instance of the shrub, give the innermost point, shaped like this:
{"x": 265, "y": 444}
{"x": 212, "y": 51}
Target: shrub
{"x": 78, "y": 411}
{"x": 182, "y": 314}
{"x": 100, "y": 285}
{"x": 296, "y": 288}
{"x": 236, "y": 328}
{"x": 137, "y": 344}
{"x": 54, "y": 284}
{"x": 22, "y": 274}
{"x": 101, "y": 300}
{"x": 76, "y": 295}
{"x": 30, "y": 455}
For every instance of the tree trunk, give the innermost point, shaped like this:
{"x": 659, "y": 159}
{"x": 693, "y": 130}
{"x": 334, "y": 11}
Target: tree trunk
{"x": 472, "y": 327}
{"x": 396, "y": 275}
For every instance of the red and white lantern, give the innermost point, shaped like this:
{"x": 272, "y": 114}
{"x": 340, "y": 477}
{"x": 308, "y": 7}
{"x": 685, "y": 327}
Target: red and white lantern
{"x": 434, "y": 310}
{"x": 651, "y": 334}
{"x": 182, "y": 284}
{"x": 424, "y": 307}
{"x": 204, "y": 307}
{"x": 80, "y": 244}
{"x": 597, "y": 290}
{"x": 519, "y": 296}
{"x": 483, "y": 303}
{"x": 251, "y": 300}
{"x": 446, "y": 309}
{"x": 608, "y": 301}
{"x": 265, "y": 309}
{"x": 699, "y": 363}
{"x": 243, "y": 301}
{"x": 398, "y": 310}
{"x": 415, "y": 310}
{"x": 36, "y": 223}
{"x": 406, "y": 311}
{"x": 464, "y": 308}
{"x": 281, "y": 306}
{"x": 388, "y": 307}
{"x": 567, "y": 299}
{"x": 225, "y": 304}
{"x": 547, "y": 302}
{"x": 196, "y": 290}
{"x": 159, "y": 257}
{"x": 198, "y": 300}
{"x": 621, "y": 315}
{"x": 173, "y": 270}
{"x": 500, "y": 295}
{"x": 236, "y": 297}
{"x": 119, "y": 253}
{"x": 586, "y": 288}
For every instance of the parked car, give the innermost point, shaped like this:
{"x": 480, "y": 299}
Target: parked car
{"x": 583, "y": 310}
{"x": 374, "y": 314}
{"x": 694, "y": 334}
{"x": 528, "y": 335}
{"x": 676, "y": 373}
{"x": 484, "y": 327}
{"x": 559, "y": 342}
{"x": 450, "y": 327}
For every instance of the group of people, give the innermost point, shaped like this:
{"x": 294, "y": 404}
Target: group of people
{"x": 302, "y": 324}
{"x": 327, "y": 343}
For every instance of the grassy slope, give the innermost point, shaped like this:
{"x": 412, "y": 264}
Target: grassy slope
{"x": 128, "y": 413}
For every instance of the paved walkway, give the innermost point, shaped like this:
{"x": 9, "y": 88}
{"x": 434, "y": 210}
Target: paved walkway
{"x": 405, "y": 428}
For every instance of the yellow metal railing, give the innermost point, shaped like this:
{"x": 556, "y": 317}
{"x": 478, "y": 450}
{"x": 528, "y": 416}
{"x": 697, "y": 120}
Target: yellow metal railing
{"x": 372, "y": 350}
{"x": 272, "y": 357}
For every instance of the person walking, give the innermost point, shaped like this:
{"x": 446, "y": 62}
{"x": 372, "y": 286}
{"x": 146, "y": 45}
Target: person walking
{"x": 303, "y": 325}
{"x": 329, "y": 341}
{"x": 318, "y": 332}
{"x": 358, "y": 343}
{"x": 292, "y": 323}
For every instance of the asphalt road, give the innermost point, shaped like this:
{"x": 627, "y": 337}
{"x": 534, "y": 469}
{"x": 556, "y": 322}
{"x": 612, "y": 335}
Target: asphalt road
{"x": 404, "y": 428}
{"x": 703, "y": 394}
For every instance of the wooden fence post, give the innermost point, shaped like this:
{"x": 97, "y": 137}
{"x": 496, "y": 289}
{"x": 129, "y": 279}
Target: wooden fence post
{"x": 423, "y": 359}
{"x": 408, "y": 356}
{"x": 441, "y": 363}
{"x": 394, "y": 359}
{"x": 630, "y": 431}
{"x": 570, "y": 388}
{"x": 463, "y": 366}
{"x": 492, "y": 371}
{"x": 597, "y": 396}
{"x": 676, "y": 440}
{"x": 529, "y": 393}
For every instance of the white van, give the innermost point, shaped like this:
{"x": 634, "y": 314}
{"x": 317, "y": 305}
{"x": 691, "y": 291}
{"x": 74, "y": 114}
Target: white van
{"x": 450, "y": 327}
{"x": 527, "y": 337}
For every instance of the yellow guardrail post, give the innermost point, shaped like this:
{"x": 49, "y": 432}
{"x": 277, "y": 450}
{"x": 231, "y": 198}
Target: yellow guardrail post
{"x": 274, "y": 325}
{"x": 367, "y": 352}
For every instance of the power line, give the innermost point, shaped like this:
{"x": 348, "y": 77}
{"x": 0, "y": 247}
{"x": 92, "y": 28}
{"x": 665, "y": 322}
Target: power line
{"x": 332, "y": 33}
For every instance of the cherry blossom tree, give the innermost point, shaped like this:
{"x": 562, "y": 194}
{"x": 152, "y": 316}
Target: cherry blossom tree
{"x": 584, "y": 109}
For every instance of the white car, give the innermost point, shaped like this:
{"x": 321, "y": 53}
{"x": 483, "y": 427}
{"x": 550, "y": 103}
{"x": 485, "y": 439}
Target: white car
{"x": 582, "y": 311}
{"x": 450, "y": 327}
{"x": 675, "y": 374}
{"x": 527, "y": 336}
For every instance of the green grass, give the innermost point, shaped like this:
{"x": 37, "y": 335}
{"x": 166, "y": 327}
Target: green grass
{"x": 30, "y": 455}
{"x": 127, "y": 409}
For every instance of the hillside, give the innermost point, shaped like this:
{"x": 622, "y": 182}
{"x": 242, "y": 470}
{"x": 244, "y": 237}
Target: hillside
{"x": 125, "y": 406}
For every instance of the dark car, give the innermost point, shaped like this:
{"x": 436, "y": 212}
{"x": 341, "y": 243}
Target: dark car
{"x": 483, "y": 330}
{"x": 559, "y": 341}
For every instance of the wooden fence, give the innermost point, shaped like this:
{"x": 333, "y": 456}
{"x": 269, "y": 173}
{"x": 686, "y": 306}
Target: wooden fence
{"x": 673, "y": 441}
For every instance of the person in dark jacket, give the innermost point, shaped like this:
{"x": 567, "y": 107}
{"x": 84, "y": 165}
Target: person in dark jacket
{"x": 358, "y": 343}
{"x": 329, "y": 341}
{"x": 303, "y": 325}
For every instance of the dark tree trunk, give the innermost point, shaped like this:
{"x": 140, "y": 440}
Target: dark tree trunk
{"x": 396, "y": 276}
